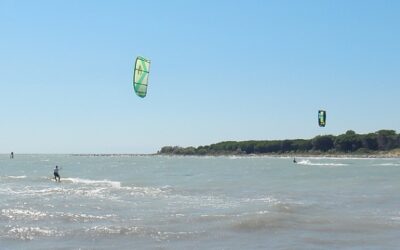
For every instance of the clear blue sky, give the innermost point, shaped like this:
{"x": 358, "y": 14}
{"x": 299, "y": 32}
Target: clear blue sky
{"x": 221, "y": 70}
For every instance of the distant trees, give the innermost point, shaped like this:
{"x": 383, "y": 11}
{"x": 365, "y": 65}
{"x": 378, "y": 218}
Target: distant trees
{"x": 178, "y": 150}
{"x": 348, "y": 142}
{"x": 387, "y": 139}
{"x": 344, "y": 143}
{"x": 370, "y": 141}
{"x": 322, "y": 143}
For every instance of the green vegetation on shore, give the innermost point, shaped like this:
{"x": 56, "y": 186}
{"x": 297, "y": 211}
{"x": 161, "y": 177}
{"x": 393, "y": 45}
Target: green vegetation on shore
{"x": 349, "y": 142}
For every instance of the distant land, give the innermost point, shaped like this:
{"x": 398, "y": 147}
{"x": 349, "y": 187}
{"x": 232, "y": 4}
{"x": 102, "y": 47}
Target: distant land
{"x": 382, "y": 143}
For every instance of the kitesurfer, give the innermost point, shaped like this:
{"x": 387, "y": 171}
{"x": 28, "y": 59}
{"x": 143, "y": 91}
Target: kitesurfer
{"x": 294, "y": 160}
{"x": 56, "y": 175}
{"x": 12, "y": 155}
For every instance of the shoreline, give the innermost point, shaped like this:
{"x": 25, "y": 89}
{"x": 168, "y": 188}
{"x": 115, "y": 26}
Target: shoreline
{"x": 380, "y": 154}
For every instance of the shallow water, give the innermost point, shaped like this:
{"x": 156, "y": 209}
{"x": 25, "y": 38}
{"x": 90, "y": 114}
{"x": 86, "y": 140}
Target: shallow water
{"x": 160, "y": 202}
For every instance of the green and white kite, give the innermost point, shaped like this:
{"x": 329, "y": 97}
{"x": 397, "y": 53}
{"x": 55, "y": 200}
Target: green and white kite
{"x": 321, "y": 118}
{"x": 141, "y": 76}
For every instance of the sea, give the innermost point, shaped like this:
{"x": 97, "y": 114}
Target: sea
{"x": 177, "y": 202}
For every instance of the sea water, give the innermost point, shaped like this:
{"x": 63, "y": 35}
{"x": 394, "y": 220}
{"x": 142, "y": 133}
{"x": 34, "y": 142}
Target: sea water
{"x": 163, "y": 202}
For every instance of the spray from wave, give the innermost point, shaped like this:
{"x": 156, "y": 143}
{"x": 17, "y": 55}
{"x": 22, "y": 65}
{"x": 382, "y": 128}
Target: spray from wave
{"x": 113, "y": 184}
{"x": 328, "y": 164}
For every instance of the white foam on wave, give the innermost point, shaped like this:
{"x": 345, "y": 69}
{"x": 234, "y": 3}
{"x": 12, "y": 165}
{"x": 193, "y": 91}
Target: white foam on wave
{"x": 235, "y": 157}
{"x": 396, "y": 219}
{"x": 6, "y": 190}
{"x": 113, "y": 184}
{"x": 176, "y": 235}
{"x": 29, "y": 233}
{"x": 104, "y": 184}
{"x": 107, "y": 230}
{"x": 15, "y": 214}
{"x": 14, "y": 177}
{"x": 145, "y": 191}
{"x": 329, "y": 164}
{"x": 98, "y": 192}
{"x": 34, "y": 215}
{"x": 84, "y": 217}
{"x": 340, "y": 157}
{"x": 395, "y": 164}
{"x": 105, "y": 189}
{"x": 267, "y": 199}
{"x": 205, "y": 201}
{"x": 135, "y": 230}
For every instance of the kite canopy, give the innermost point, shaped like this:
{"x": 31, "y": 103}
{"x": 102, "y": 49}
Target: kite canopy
{"x": 321, "y": 118}
{"x": 141, "y": 76}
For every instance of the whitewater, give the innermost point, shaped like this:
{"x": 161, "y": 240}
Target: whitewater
{"x": 166, "y": 202}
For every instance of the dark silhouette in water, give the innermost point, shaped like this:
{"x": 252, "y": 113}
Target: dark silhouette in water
{"x": 12, "y": 155}
{"x": 294, "y": 160}
{"x": 56, "y": 175}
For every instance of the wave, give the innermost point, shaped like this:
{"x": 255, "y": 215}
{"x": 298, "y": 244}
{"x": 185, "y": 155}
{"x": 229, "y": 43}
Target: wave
{"x": 261, "y": 221}
{"x": 82, "y": 217}
{"x": 133, "y": 190}
{"x": 105, "y": 189}
{"x": 309, "y": 163}
{"x": 27, "y": 233}
{"x": 16, "y": 214}
{"x": 13, "y": 177}
{"x": 17, "y": 177}
{"x": 280, "y": 215}
{"x": 397, "y": 219}
{"x": 145, "y": 191}
{"x": 339, "y": 157}
{"x": 156, "y": 234}
{"x": 235, "y": 157}
{"x": 268, "y": 199}
{"x": 396, "y": 164}
{"x": 105, "y": 182}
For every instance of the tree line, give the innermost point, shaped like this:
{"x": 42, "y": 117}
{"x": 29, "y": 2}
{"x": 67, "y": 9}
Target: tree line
{"x": 349, "y": 142}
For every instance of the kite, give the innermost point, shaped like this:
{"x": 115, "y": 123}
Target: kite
{"x": 321, "y": 118}
{"x": 141, "y": 76}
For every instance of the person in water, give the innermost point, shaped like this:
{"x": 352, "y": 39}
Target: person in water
{"x": 56, "y": 175}
{"x": 294, "y": 160}
{"x": 12, "y": 155}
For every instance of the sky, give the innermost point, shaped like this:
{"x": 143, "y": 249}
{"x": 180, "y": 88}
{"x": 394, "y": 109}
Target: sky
{"x": 221, "y": 70}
